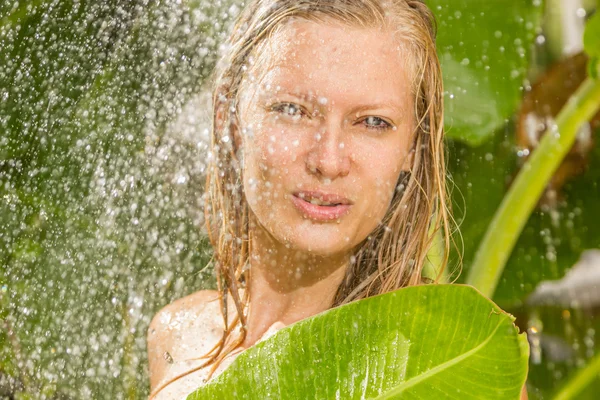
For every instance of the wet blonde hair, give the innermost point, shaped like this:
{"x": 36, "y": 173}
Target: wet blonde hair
{"x": 394, "y": 254}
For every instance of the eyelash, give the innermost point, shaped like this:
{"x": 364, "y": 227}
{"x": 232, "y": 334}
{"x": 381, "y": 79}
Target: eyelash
{"x": 281, "y": 107}
{"x": 378, "y": 127}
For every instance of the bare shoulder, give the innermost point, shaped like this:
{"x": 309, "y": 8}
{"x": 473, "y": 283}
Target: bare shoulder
{"x": 192, "y": 302}
{"x": 181, "y": 333}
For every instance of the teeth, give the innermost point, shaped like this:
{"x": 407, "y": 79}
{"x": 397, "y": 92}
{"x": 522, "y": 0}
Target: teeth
{"x": 320, "y": 203}
{"x": 316, "y": 201}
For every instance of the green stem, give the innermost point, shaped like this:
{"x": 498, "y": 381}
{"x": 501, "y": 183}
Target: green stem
{"x": 583, "y": 378}
{"x": 519, "y": 202}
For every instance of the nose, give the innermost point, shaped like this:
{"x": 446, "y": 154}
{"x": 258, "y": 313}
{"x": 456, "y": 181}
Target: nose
{"x": 328, "y": 158}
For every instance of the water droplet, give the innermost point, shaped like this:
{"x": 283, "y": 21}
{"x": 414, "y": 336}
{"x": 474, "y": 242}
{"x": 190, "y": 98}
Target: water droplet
{"x": 540, "y": 39}
{"x": 535, "y": 327}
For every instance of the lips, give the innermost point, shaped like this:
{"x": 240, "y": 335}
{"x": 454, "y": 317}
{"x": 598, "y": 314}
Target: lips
{"x": 323, "y": 197}
{"x": 321, "y": 206}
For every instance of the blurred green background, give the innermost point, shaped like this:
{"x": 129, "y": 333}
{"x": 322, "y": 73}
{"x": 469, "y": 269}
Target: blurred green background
{"x": 103, "y": 138}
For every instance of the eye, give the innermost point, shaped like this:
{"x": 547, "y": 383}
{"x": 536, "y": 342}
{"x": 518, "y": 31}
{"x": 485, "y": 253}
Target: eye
{"x": 289, "y": 110}
{"x": 376, "y": 123}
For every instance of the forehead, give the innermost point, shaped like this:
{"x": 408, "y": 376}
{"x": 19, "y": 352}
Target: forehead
{"x": 336, "y": 61}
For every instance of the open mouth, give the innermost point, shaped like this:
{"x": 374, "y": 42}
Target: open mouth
{"x": 320, "y": 207}
{"x": 318, "y": 202}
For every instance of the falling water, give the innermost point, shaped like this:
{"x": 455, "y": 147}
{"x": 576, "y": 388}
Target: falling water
{"x": 102, "y": 158}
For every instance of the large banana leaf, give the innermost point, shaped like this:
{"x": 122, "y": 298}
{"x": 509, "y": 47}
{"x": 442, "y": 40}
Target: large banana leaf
{"x": 424, "y": 342}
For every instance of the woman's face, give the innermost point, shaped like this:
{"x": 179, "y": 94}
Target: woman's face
{"x": 325, "y": 131}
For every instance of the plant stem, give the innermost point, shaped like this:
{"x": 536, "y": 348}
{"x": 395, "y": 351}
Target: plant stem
{"x": 580, "y": 380}
{"x": 519, "y": 202}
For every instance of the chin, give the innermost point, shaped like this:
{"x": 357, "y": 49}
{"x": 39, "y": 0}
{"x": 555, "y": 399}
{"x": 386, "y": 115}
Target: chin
{"x": 323, "y": 239}
{"x": 320, "y": 242}
{"x": 324, "y": 249}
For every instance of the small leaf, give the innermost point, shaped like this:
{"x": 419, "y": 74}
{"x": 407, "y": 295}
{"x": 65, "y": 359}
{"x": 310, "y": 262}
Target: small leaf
{"x": 423, "y": 342}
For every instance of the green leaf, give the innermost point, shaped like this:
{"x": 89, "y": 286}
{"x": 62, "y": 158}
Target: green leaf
{"x": 484, "y": 48}
{"x": 424, "y": 342}
{"x": 591, "y": 43}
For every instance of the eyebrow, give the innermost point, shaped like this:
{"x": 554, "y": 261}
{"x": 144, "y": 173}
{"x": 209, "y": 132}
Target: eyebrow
{"x": 283, "y": 91}
{"x": 376, "y": 106}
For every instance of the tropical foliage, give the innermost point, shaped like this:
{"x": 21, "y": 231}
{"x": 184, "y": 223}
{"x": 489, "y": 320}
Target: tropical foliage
{"x": 102, "y": 146}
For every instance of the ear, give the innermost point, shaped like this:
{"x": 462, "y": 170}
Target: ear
{"x": 409, "y": 159}
{"x": 234, "y": 128}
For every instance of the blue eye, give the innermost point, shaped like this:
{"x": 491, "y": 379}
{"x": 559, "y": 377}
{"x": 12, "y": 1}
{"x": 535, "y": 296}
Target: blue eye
{"x": 376, "y": 123}
{"x": 288, "y": 109}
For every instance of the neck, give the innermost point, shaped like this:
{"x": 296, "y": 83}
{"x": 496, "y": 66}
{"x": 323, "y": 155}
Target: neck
{"x": 287, "y": 285}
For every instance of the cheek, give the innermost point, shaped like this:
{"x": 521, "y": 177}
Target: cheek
{"x": 275, "y": 148}
{"x": 268, "y": 156}
{"x": 381, "y": 169}
{"x": 382, "y": 194}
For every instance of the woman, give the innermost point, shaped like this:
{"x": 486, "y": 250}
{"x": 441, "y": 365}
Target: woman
{"x": 327, "y": 179}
